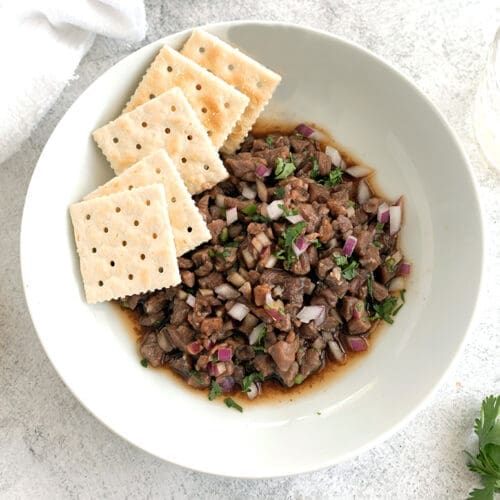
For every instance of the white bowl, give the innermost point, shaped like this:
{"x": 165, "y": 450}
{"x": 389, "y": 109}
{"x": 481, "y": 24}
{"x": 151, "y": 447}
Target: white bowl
{"x": 374, "y": 112}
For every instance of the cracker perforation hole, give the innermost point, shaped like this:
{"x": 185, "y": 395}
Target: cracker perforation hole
{"x": 173, "y": 199}
{"x": 152, "y": 96}
{"x": 169, "y": 69}
{"x": 227, "y": 105}
{"x": 115, "y": 139}
{"x": 172, "y": 108}
{"x": 158, "y": 170}
{"x": 201, "y": 50}
{"x": 230, "y": 67}
{"x": 130, "y": 276}
{"x": 206, "y": 167}
{"x": 183, "y": 160}
{"x": 118, "y": 210}
{"x": 259, "y": 84}
{"x": 144, "y": 124}
{"x": 209, "y": 133}
{"x": 136, "y": 223}
{"x": 148, "y": 202}
{"x": 138, "y": 146}
{"x": 167, "y": 131}
{"x": 142, "y": 256}
{"x": 87, "y": 216}
{"x": 94, "y": 250}
{"x": 155, "y": 236}
{"x": 189, "y": 137}
{"x": 189, "y": 229}
{"x": 160, "y": 269}
{"x": 130, "y": 187}
{"x": 106, "y": 229}
{"x": 204, "y": 110}
{"x": 198, "y": 86}
{"x": 100, "y": 283}
{"x": 112, "y": 263}
{"x": 124, "y": 243}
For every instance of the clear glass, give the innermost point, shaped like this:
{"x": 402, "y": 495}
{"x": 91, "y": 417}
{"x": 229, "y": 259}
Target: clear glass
{"x": 487, "y": 106}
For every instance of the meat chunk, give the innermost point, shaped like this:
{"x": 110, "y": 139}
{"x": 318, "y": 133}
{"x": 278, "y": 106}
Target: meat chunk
{"x": 202, "y": 262}
{"x": 299, "y": 145}
{"x": 325, "y": 231}
{"x": 184, "y": 263}
{"x": 180, "y": 336}
{"x": 215, "y": 227}
{"x": 283, "y": 354}
{"x": 308, "y": 331}
{"x": 293, "y": 287}
{"x": 371, "y": 258}
{"x": 156, "y": 302}
{"x": 244, "y": 353}
{"x": 364, "y": 239}
{"x": 324, "y": 267}
{"x": 302, "y": 266}
{"x": 310, "y": 363}
{"x": 210, "y": 326}
{"x": 318, "y": 193}
{"x": 181, "y": 365}
{"x": 371, "y": 206}
{"x": 342, "y": 224}
{"x": 264, "y": 364}
{"x": 311, "y": 216}
{"x": 179, "y": 312}
{"x": 202, "y": 205}
{"x": 324, "y": 163}
{"x": 271, "y": 155}
{"x": 348, "y": 304}
{"x": 211, "y": 281}
{"x": 151, "y": 351}
{"x": 287, "y": 377}
{"x": 188, "y": 278}
{"x": 243, "y": 166}
{"x": 259, "y": 294}
{"x": 357, "y": 326}
{"x": 380, "y": 292}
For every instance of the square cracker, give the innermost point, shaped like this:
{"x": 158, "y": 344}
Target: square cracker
{"x": 166, "y": 122}
{"x": 188, "y": 227}
{"x": 125, "y": 243}
{"x": 247, "y": 75}
{"x": 217, "y": 104}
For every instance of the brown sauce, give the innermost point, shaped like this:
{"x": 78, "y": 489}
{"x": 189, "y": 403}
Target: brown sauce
{"x": 272, "y": 390}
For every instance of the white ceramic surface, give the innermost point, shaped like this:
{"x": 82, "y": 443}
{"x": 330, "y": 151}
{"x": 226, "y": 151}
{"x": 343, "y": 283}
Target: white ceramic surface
{"x": 379, "y": 116}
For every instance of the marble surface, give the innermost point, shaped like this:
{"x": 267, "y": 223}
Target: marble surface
{"x": 51, "y": 447}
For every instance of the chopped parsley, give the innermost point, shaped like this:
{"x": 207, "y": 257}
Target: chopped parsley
{"x": 260, "y": 218}
{"x": 377, "y": 244}
{"x": 288, "y": 238}
{"x": 234, "y": 244}
{"x": 224, "y": 235}
{"x": 279, "y": 192}
{"x": 390, "y": 263}
{"x": 270, "y": 141}
{"x": 299, "y": 378}
{"x": 223, "y": 255}
{"x": 402, "y": 295}
{"x": 196, "y": 375}
{"x": 250, "y": 209}
{"x": 215, "y": 391}
{"x": 125, "y": 304}
{"x": 315, "y": 170}
{"x": 286, "y": 212}
{"x": 258, "y": 348}
{"x": 250, "y": 379}
{"x": 379, "y": 227}
{"x": 349, "y": 269}
{"x": 283, "y": 169}
{"x": 334, "y": 178}
{"x": 386, "y": 310}
{"x": 296, "y": 133}
{"x": 369, "y": 284}
{"x": 144, "y": 362}
{"x": 351, "y": 203}
{"x": 340, "y": 260}
{"x": 230, "y": 403}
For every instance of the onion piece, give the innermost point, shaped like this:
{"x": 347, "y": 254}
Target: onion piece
{"x": 337, "y": 351}
{"x": 254, "y": 390}
{"x": 248, "y": 192}
{"x": 397, "y": 284}
{"x": 207, "y": 344}
{"x": 264, "y": 240}
{"x": 248, "y": 258}
{"x": 358, "y": 171}
{"x": 395, "y": 219}
{"x": 364, "y": 193}
{"x": 227, "y": 383}
{"x": 333, "y": 243}
{"x": 224, "y": 354}
{"x": 191, "y": 300}
{"x": 304, "y": 130}
{"x": 263, "y": 171}
{"x": 357, "y": 344}
{"x": 255, "y": 333}
{"x": 300, "y": 246}
{"x": 226, "y": 291}
{"x": 350, "y": 245}
{"x": 269, "y": 300}
{"x": 271, "y": 261}
{"x": 311, "y": 313}
{"x": 261, "y": 190}
{"x": 231, "y": 215}
{"x": 275, "y": 314}
{"x": 274, "y": 212}
{"x": 294, "y": 219}
{"x": 216, "y": 369}
{"x": 334, "y": 156}
{"x": 236, "y": 279}
{"x": 350, "y": 212}
{"x": 193, "y": 348}
{"x": 220, "y": 200}
{"x": 383, "y": 213}
{"x": 238, "y": 311}
{"x": 404, "y": 269}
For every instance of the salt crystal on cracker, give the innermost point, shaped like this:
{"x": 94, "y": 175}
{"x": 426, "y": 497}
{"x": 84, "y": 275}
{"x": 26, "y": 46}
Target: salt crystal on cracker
{"x": 125, "y": 243}
{"x": 167, "y": 122}
{"x": 188, "y": 227}
{"x": 217, "y": 104}
{"x": 247, "y": 75}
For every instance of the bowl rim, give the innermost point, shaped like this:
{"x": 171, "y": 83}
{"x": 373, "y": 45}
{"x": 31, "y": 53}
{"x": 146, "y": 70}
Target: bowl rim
{"x": 480, "y": 259}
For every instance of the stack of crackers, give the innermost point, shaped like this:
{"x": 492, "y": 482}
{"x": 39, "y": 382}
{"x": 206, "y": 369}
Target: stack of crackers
{"x": 164, "y": 149}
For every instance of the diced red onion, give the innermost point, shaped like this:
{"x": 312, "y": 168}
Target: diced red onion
{"x": 304, "y": 130}
{"x": 397, "y": 284}
{"x": 263, "y": 171}
{"x": 271, "y": 261}
{"x": 350, "y": 245}
{"x": 207, "y": 344}
{"x": 294, "y": 219}
{"x": 404, "y": 269}
{"x": 337, "y": 351}
{"x": 191, "y": 300}
{"x": 300, "y": 246}
{"x": 383, "y": 213}
{"x": 311, "y": 313}
{"x": 238, "y": 311}
{"x": 220, "y": 200}
{"x": 254, "y": 334}
{"x": 216, "y": 369}
{"x": 248, "y": 192}
{"x": 254, "y": 390}
{"x": 357, "y": 344}
{"x": 226, "y": 383}
{"x": 395, "y": 219}
{"x": 274, "y": 212}
{"x": 334, "y": 155}
{"x": 358, "y": 171}
{"x": 226, "y": 291}
{"x": 194, "y": 348}
{"x": 363, "y": 192}
{"x": 275, "y": 314}
{"x": 224, "y": 354}
{"x": 231, "y": 215}
{"x": 261, "y": 190}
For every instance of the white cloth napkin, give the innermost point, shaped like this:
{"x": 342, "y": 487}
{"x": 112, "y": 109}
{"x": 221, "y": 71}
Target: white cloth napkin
{"x": 41, "y": 45}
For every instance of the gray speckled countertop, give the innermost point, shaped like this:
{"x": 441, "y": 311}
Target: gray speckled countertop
{"x": 51, "y": 447}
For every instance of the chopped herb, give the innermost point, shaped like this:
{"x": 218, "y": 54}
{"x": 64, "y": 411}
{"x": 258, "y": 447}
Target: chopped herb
{"x": 234, "y": 244}
{"x": 261, "y": 336}
{"x": 487, "y": 461}
{"x": 402, "y": 295}
{"x": 223, "y": 211}
{"x": 288, "y": 238}
{"x": 316, "y": 243}
{"x": 211, "y": 253}
{"x": 351, "y": 203}
{"x": 125, "y": 304}
{"x": 369, "y": 284}
{"x": 349, "y": 272}
{"x": 187, "y": 289}
{"x": 377, "y": 244}
{"x": 279, "y": 192}
{"x": 260, "y": 218}
{"x": 250, "y": 379}
{"x": 269, "y": 141}
{"x": 386, "y": 310}
{"x": 318, "y": 413}
{"x": 215, "y": 391}
{"x": 283, "y": 169}
{"x": 299, "y": 378}
{"x": 258, "y": 348}
{"x": 390, "y": 263}
{"x": 340, "y": 260}
{"x": 334, "y": 177}
{"x": 144, "y": 362}
{"x": 250, "y": 209}
{"x": 232, "y": 404}
{"x": 196, "y": 375}
{"x": 296, "y": 133}
{"x": 223, "y": 255}
{"x": 224, "y": 235}
{"x": 315, "y": 170}
{"x": 286, "y": 212}
{"x": 379, "y": 227}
